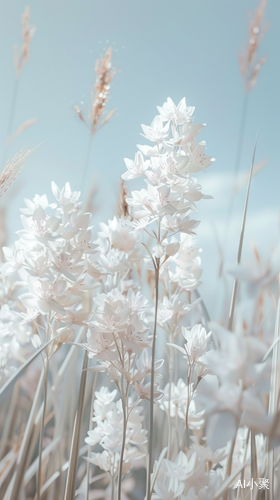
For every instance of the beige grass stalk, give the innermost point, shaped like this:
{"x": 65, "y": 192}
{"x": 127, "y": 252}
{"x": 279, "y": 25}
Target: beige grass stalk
{"x": 254, "y": 464}
{"x": 234, "y": 292}
{"x": 151, "y": 426}
{"x": 8, "y": 386}
{"x": 125, "y": 418}
{"x": 123, "y": 210}
{"x": 250, "y": 66}
{"x": 12, "y": 170}
{"x": 74, "y": 451}
{"x": 10, "y": 420}
{"x": 14, "y": 488}
{"x": 99, "y": 100}
{"x": 229, "y": 481}
{"x": 21, "y": 57}
{"x": 13, "y": 492}
{"x": 273, "y": 399}
{"x": 90, "y": 428}
{"x": 46, "y": 375}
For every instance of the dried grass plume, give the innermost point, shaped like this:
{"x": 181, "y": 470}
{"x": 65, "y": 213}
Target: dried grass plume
{"x": 21, "y": 57}
{"x": 100, "y": 95}
{"x": 250, "y": 62}
{"x": 12, "y": 171}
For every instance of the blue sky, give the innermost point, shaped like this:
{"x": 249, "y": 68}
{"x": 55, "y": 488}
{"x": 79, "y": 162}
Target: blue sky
{"x": 161, "y": 48}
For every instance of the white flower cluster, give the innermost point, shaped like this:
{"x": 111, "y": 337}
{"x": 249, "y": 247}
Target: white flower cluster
{"x": 49, "y": 264}
{"x": 108, "y": 433}
{"x": 171, "y": 192}
{"x": 125, "y": 296}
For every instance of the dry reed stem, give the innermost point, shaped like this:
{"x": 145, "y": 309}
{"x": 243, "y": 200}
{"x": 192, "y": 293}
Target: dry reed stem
{"x": 74, "y": 451}
{"x": 42, "y": 429}
{"x": 151, "y": 424}
{"x": 234, "y": 292}
{"x": 273, "y": 397}
{"x": 123, "y": 210}
{"x": 15, "y": 486}
{"x": 8, "y": 386}
{"x": 228, "y": 482}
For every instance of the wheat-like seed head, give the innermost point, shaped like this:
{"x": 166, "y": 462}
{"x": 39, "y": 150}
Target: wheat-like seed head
{"x": 100, "y": 95}
{"x": 21, "y": 58}
{"x": 12, "y": 171}
{"x": 250, "y": 64}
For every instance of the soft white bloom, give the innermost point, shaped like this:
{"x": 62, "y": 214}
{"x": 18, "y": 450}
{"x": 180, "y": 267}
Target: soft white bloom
{"x": 156, "y": 132}
{"x": 135, "y": 168}
{"x": 178, "y": 114}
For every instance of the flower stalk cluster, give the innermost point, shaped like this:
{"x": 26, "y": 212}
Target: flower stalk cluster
{"x": 167, "y": 401}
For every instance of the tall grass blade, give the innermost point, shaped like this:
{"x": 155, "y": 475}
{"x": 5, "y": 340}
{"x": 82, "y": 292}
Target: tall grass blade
{"x": 234, "y": 292}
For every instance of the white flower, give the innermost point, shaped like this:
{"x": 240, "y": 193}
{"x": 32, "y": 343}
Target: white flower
{"x": 163, "y": 491}
{"x": 197, "y": 343}
{"x": 178, "y": 114}
{"x": 15, "y": 258}
{"x": 135, "y": 168}
{"x": 156, "y": 132}
{"x": 179, "y": 469}
{"x": 68, "y": 199}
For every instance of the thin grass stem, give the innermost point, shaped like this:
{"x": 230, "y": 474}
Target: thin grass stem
{"x": 237, "y": 161}
{"x": 15, "y": 485}
{"x": 125, "y": 418}
{"x": 150, "y": 457}
{"x": 84, "y": 175}
{"x": 39, "y": 472}
{"x": 240, "y": 247}
{"x": 74, "y": 451}
{"x": 90, "y": 428}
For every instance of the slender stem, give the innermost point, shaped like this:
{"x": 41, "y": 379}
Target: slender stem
{"x": 273, "y": 401}
{"x": 238, "y": 156}
{"x": 74, "y": 451}
{"x": 113, "y": 488}
{"x": 122, "y": 449}
{"x": 39, "y": 473}
{"x": 171, "y": 360}
{"x": 86, "y": 163}
{"x": 13, "y": 107}
{"x": 90, "y": 428}
{"x": 10, "y": 420}
{"x": 234, "y": 292}
{"x": 241, "y": 133}
{"x": 150, "y": 456}
{"x": 11, "y": 118}
{"x": 13, "y": 491}
{"x": 188, "y": 403}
